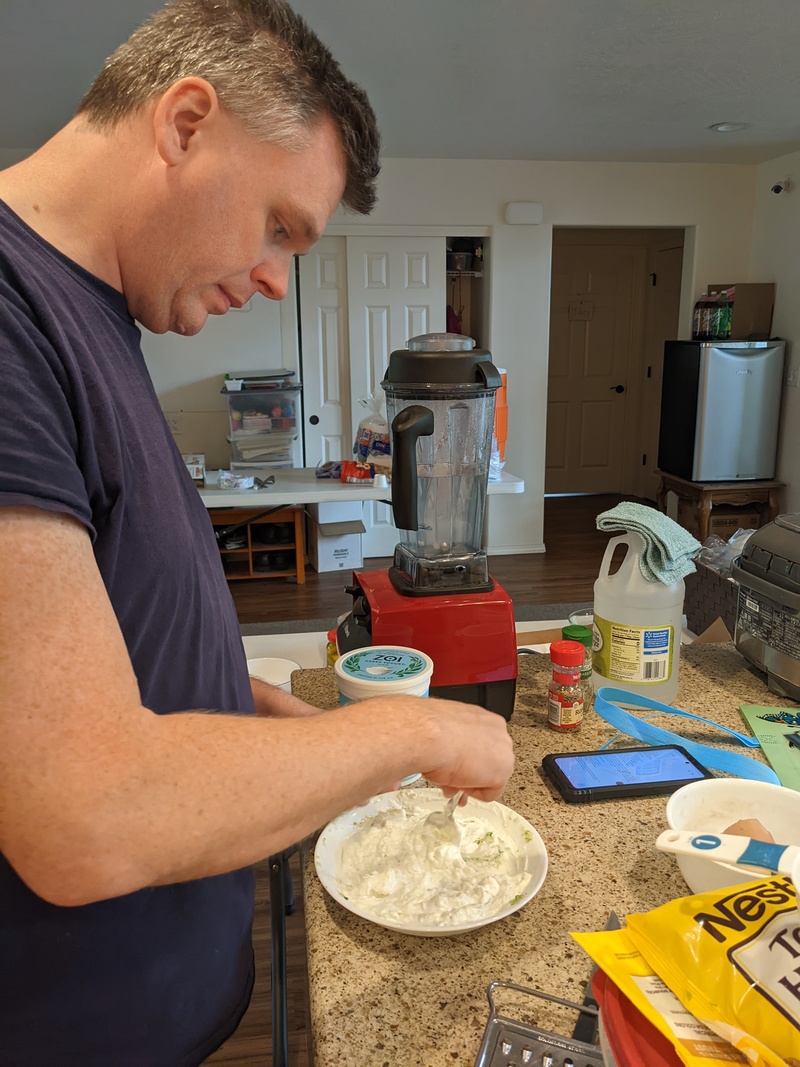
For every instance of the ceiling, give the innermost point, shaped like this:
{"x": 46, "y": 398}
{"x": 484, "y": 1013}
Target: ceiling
{"x": 617, "y": 80}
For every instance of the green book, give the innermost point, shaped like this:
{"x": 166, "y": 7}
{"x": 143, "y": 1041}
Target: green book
{"x": 770, "y": 726}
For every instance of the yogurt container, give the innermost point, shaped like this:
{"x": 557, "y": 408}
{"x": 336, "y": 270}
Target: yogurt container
{"x": 381, "y": 670}
{"x": 277, "y": 672}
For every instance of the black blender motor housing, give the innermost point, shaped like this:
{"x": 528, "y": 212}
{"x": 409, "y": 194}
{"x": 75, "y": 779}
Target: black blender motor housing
{"x": 433, "y": 367}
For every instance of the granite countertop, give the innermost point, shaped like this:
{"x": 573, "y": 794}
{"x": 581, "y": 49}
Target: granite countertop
{"x": 383, "y": 999}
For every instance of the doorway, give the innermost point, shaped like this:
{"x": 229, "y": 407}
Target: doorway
{"x": 360, "y": 298}
{"x": 614, "y": 300}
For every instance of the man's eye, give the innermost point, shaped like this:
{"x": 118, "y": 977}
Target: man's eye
{"x": 280, "y": 231}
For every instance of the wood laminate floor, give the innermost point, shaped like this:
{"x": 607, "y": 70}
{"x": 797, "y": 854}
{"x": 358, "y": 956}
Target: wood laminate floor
{"x": 564, "y": 573}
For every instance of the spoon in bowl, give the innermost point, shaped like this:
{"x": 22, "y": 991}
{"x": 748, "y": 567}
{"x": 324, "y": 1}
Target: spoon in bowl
{"x": 445, "y": 820}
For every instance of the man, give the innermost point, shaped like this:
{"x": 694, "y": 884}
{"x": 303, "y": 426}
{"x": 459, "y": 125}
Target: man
{"x": 214, "y": 147}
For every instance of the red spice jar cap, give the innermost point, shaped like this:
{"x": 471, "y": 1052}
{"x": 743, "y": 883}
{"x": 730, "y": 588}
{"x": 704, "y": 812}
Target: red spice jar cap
{"x": 567, "y": 653}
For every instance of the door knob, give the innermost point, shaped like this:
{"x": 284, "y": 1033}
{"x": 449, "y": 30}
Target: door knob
{"x": 314, "y": 419}
{"x": 618, "y": 388}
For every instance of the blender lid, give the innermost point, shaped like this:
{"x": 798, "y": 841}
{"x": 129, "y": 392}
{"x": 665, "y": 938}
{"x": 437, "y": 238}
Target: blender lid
{"x": 442, "y": 359}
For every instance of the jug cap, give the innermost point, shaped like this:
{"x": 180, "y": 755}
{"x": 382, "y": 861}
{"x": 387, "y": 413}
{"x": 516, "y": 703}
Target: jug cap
{"x": 448, "y": 359}
{"x": 582, "y": 634}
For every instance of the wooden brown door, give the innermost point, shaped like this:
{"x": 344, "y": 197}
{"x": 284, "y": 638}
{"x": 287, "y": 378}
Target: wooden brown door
{"x": 592, "y": 329}
{"x": 615, "y": 295}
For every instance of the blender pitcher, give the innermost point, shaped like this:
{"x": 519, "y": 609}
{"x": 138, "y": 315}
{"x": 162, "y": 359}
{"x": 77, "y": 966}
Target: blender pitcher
{"x": 440, "y": 395}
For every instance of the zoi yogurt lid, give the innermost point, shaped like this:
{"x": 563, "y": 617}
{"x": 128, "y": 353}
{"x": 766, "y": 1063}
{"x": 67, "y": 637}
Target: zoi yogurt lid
{"x": 385, "y": 665}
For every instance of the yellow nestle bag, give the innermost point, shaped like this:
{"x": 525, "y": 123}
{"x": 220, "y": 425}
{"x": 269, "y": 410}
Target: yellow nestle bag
{"x": 732, "y": 958}
{"x": 695, "y": 1044}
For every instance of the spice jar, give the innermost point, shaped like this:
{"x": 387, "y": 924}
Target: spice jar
{"x": 583, "y": 635}
{"x": 565, "y": 692}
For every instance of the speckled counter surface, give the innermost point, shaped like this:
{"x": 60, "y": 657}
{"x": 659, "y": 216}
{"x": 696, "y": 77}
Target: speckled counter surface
{"x": 381, "y": 999}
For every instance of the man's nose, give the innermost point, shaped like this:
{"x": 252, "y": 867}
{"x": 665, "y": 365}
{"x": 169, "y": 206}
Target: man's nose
{"x": 271, "y": 276}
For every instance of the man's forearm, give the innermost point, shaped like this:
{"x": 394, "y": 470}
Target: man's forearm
{"x": 272, "y": 701}
{"x": 194, "y": 795}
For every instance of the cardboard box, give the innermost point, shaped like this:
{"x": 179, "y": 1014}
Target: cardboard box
{"x": 709, "y": 596}
{"x": 196, "y": 465}
{"x": 335, "y": 546}
{"x": 336, "y": 511}
{"x": 334, "y": 535}
{"x": 751, "y": 315}
{"x": 723, "y": 521}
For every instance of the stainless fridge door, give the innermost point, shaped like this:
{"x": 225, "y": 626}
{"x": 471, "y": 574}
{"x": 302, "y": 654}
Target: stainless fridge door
{"x": 738, "y": 407}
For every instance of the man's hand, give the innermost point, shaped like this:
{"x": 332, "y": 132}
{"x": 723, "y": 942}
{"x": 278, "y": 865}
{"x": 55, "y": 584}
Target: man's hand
{"x": 479, "y": 755}
{"x": 461, "y": 746}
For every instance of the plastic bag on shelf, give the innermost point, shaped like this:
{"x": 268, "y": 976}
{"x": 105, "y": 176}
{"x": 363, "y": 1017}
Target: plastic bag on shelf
{"x": 718, "y": 555}
{"x": 373, "y": 441}
{"x": 496, "y": 464}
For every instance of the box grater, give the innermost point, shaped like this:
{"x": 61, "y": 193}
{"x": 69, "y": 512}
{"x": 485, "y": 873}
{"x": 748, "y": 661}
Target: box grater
{"x": 510, "y": 1043}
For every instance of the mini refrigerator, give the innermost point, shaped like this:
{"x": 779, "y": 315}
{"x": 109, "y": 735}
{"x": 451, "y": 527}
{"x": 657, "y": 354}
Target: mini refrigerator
{"x": 720, "y": 405}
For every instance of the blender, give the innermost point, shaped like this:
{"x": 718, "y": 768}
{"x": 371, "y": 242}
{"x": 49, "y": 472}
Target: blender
{"x": 438, "y": 595}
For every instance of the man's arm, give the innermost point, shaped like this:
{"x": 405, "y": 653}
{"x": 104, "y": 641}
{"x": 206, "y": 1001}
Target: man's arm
{"x": 272, "y": 701}
{"x": 100, "y": 797}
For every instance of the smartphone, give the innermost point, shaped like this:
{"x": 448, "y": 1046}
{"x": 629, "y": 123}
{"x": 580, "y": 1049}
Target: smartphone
{"x": 622, "y": 772}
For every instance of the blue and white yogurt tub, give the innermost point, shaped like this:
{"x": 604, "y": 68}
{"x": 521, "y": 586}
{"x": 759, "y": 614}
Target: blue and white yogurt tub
{"x": 381, "y": 670}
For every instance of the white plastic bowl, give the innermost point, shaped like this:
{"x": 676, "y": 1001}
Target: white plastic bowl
{"x": 277, "y": 672}
{"x": 713, "y": 805}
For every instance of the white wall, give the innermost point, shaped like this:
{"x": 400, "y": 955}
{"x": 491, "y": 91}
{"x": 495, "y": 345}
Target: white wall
{"x": 188, "y": 371}
{"x": 776, "y": 258}
{"x": 717, "y": 200}
{"x": 716, "y": 203}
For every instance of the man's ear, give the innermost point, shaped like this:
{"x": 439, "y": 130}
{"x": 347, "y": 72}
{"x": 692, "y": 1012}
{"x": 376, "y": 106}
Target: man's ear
{"x": 181, "y": 114}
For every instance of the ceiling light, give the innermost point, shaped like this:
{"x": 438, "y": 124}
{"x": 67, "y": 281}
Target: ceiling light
{"x": 728, "y": 127}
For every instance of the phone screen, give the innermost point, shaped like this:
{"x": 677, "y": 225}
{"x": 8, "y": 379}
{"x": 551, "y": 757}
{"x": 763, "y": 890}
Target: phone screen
{"x": 633, "y": 767}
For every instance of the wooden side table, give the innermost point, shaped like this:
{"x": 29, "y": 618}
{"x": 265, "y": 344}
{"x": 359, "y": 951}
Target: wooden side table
{"x": 704, "y": 495}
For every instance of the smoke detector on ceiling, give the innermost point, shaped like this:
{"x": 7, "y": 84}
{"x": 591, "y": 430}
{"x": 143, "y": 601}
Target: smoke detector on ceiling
{"x": 728, "y": 127}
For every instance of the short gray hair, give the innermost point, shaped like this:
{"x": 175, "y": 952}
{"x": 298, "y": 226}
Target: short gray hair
{"x": 268, "y": 68}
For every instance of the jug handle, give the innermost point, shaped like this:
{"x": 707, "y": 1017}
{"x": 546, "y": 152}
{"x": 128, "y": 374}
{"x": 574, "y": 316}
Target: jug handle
{"x": 408, "y": 425}
{"x": 609, "y": 552}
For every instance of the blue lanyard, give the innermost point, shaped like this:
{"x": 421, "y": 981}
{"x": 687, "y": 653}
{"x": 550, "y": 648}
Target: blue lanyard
{"x": 716, "y": 758}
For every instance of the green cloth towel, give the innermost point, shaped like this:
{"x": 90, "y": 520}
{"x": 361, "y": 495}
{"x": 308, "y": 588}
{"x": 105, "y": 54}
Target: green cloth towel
{"x": 668, "y": 548}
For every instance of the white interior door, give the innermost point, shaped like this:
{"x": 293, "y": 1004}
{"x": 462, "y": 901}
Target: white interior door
{"x": 325, "y": 352}
{"x": 396, "y": 289}
{"x": 361, "y": 298}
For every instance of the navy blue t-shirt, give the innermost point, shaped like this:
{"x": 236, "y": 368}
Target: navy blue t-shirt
{"x": 160, "y": 976}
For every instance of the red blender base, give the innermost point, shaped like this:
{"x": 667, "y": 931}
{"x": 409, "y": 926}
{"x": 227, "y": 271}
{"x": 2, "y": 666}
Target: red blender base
{"x": 470, "y": 637}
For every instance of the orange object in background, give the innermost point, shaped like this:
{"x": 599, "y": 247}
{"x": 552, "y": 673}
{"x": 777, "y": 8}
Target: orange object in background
{"x": 501, "y": 414}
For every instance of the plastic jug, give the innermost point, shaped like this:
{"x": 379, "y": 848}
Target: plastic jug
{"x": 637, "y": 627}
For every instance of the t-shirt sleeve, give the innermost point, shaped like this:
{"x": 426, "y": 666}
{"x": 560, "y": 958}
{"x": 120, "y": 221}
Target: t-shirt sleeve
{"x": 41, "y": 409}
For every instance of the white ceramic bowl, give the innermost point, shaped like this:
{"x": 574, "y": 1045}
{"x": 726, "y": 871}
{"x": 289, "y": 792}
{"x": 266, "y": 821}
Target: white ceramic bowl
{"x": 713, "y": 805}
{"x": 527, "y": 843}
{"x": 277, "y": 672}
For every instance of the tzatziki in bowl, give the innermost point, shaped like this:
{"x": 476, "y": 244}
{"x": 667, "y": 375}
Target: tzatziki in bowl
{"x": 382, "y": 863}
